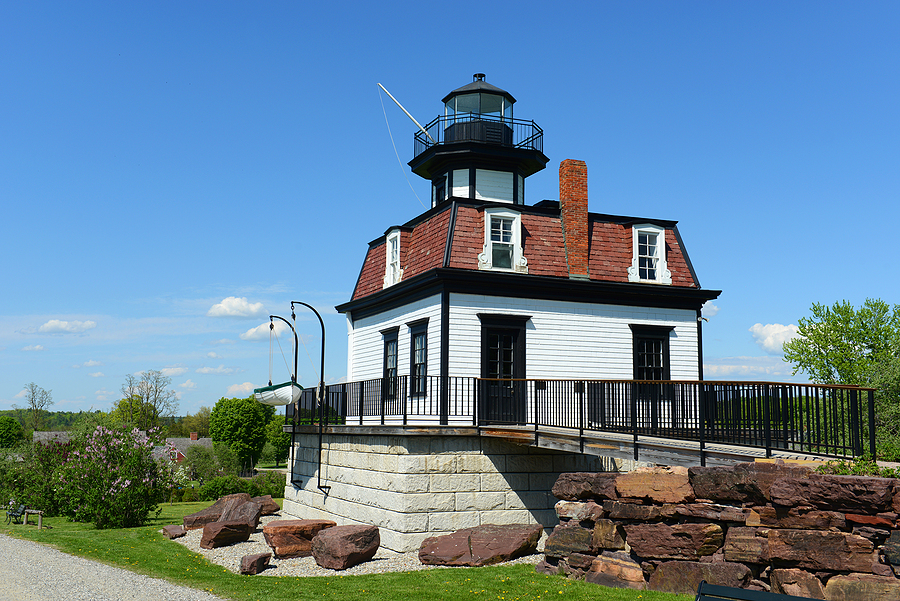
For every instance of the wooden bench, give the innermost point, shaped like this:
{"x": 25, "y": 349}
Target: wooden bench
{"x": 715, "y": 592}
{"x": 36, "y": 512}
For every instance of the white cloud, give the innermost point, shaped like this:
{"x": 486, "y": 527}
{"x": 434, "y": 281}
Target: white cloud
{"x": 173, "y": 371}
{"x": 222, "y": 341}
{"x": 216, "y": 370}
{"x": 747, "y": 368}
{"x": 55, "y": 326}
{"x": 236, "y": 307}
{"x": 709, "y": 309}
{"x": 96, "y": 374}
{"x": 241, "y": 389}
{"x": 188, "y": 384}
{"x": 103, "y": 394}
{"x": 261, "y": 332}
{"x": 212, "y": 355}
{"x": 772, "y": 336}
{"x": 21, "y": 395}
{"x": 92, "y": 363}
{"x": 33, "y": 347}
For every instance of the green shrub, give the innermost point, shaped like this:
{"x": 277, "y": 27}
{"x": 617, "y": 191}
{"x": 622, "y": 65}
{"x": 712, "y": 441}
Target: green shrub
{"x": 112, "y": 480}
{"x": 267, "y": 483}
{"x": 860, "y": 466}
{"x": 221, "y": 486}
{"x": 189, "y": 496}
{"x": 34, "y": 480}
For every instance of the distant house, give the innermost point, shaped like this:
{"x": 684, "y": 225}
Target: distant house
{"x": 48, "y": 437}
{"x": 179, "y": 446}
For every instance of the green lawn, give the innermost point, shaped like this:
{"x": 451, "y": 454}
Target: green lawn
{"x": 145, "y": 551}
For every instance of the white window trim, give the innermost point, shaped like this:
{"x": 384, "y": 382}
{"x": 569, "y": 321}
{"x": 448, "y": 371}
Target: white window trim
{"x": 392, "y": 277}
{"x": 663, "y": 275}
{"x": 519, "y": 262}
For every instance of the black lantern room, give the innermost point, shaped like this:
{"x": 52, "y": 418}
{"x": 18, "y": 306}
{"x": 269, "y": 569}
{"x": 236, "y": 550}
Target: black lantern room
{"x": 477, "y": 150}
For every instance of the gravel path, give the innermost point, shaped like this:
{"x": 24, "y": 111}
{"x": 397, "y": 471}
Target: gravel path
{"x": 384, "y": 560}
{"x": 35, "y": 572}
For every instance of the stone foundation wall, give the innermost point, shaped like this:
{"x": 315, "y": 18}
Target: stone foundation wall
{"x": 766, "y": 526}
{"x": 414, "y": 486}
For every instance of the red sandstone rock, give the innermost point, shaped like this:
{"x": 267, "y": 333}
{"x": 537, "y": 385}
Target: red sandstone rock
{"x": 859, "y": 494}
{"x": 656, "y": 485}
{"x": 343, "y": 547}
{"x": 569, "y": 538}
{"x": 684, "y": 576}
{"x": 579, "y": 511}
{"x": 214, "y": 512}
{"x": 641, "y": 513}
{"x": 869, "y": 520}
{"x": 713, "y": 512}
{"x": 746, "y": 545}
{"x": 174, "y": 531}
{"x": 293, "y": 538}
{"x": 482, "y": 545}
{"x": 817, "y": 550}
{"x": 742, "y": 483}
{"x": 221, "y": 534}
{"x": 245, "y": 512}
{"x": 607, "y": 535}
{"x": 267, "y": 505}
{"x": 254, "y": 564}
{"x": 678, "y": 541}
{"x": 798, "y": 583}
{"x": 577, "y": 486}
{"x": 798, "y": 518}
{"x": 856, "y": 587}
{"x": 617, "y": 570}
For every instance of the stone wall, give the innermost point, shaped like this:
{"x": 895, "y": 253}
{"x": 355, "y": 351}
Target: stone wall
{"x": 416, "y": 486}
{"x": 766, "y": 526}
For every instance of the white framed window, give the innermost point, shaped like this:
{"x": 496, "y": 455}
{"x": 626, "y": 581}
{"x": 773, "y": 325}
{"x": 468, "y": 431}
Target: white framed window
{"x": 392, "y": 271}
{"x": 648, "y": 263}
{"x": 502, "y": 242}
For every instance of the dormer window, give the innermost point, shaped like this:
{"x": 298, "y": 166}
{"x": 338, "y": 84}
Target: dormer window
{"x": 502, "y": 242}
{"x": 392, "y": 272}
{"x": 648, "y": 262}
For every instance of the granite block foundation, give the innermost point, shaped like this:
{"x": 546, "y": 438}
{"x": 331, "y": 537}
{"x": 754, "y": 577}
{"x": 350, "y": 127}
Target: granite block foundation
{"x": 416, "y": 486}
{"x": 764, "y": 526}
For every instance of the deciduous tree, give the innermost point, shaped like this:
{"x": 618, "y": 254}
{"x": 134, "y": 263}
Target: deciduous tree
{"x": 280, "y": 440}
{"x": 38, "y": 400}
{"x": 147, "y": 398}
{"x": 843, "y": 345}
{"x": 241, "y": 424}
{"x": 11, "y": 431}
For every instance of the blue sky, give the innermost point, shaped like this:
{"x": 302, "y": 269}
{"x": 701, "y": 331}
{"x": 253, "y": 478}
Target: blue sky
{"x": 173, "y": 172}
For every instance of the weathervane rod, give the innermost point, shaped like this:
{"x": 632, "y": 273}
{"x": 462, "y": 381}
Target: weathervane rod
{"x": 407, "y": 113}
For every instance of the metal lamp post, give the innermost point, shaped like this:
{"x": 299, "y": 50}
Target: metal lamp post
{"x": 321, "y": 391}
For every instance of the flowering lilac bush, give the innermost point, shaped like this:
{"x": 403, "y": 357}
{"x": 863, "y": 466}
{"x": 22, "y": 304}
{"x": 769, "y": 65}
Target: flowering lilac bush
{"x": 112, "y": 479}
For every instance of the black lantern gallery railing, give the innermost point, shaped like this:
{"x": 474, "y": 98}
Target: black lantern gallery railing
{"x": 474, "y": 127}
{"x": 835, "y": 421}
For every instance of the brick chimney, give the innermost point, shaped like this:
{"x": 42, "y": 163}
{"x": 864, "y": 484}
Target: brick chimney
{"x": 194, "y": 435}
{"x": 573, "y": 205}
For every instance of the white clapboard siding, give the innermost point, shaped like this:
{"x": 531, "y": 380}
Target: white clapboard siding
{"x": 366, "y": 343}
{"x": 461, "y": 183}
{"x": 567, "y": 340}
{"x": 493, "y": 185}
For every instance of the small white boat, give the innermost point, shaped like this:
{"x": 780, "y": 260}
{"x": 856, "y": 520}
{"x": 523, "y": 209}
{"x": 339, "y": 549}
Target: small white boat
{"x": 278, "y": 394}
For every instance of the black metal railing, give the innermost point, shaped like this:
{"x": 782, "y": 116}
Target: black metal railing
{"x": 833, "y": 421}
{"x": 474, "y": 127}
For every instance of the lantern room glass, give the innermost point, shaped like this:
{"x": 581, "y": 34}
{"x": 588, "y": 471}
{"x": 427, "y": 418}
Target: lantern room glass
{"x": 464, "y": 106}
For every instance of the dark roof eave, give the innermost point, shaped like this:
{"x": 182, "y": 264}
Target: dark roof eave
{"x": 531, "y": 286}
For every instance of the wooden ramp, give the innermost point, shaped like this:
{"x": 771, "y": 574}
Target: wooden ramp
{"x": 661, "y": 451}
